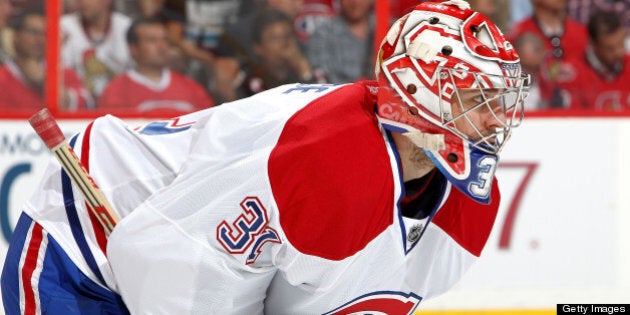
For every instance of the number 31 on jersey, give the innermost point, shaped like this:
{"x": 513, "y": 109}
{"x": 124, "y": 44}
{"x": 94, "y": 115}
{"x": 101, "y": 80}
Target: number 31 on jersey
{"x": 249, "y": 232}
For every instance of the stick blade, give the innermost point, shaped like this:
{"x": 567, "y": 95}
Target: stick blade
{"x": 46, "y": 127}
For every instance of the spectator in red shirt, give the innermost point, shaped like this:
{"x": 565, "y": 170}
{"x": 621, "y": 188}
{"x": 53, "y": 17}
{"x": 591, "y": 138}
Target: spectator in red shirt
{"x": 22, "y": 78}
{"x": 151, "y": 86}
{"x": 564, "y": 39}
{"x": 602, "y": 73}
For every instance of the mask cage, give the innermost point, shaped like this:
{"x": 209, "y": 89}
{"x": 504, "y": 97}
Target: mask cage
{"x": 478, "y": 100}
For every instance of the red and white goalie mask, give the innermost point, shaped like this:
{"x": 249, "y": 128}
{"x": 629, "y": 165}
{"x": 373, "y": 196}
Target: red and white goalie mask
{"x": 451, "y": 81}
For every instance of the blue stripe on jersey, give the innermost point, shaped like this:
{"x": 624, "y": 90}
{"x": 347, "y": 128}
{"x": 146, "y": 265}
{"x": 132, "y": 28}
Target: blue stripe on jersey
{"x": 11, "y": 269}
{"x": 392, "y": 144}
{"x": 73, "y": 293}
{"x": 62, "y": 287}
{"x": 435, "y": 209}
{"x": 75, "y": 223}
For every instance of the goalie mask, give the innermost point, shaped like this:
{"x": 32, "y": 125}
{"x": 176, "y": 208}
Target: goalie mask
{"x": 450, "y": 80}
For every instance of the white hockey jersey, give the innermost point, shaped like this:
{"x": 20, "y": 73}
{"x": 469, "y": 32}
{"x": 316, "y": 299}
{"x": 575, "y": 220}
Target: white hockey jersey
{"x": 128, "y": 164}
{"x": 289, "y": 203}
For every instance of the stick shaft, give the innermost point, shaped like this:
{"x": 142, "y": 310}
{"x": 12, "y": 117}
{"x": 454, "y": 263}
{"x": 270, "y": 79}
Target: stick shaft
{"x": 48, "y": 129}
{"x": 92, "y": 194}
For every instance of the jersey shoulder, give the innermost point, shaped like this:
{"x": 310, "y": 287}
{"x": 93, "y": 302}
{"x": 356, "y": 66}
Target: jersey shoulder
{"x": 330, "y": 174}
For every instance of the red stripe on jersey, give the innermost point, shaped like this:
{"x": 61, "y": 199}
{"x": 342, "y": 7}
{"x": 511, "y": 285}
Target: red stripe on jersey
{"x": 331, "y": 175}
{"x": 467, "y": 222}
{"x": 101, "y": 239}
{"x": 30, "y": 263}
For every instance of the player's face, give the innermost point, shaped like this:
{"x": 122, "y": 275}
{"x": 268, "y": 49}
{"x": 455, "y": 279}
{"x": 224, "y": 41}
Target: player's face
{"x": 610, "y": 48}
{"x": 275, "y": 39}
{"x": 30, "y": 40}
{"x": 90, "y": 10}
{"x": 481, "y": 112}
{"x": 356, "y": 10}
{"x": 152, "y": 47}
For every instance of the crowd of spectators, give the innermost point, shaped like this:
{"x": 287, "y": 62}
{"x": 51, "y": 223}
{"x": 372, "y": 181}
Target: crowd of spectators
{"x": 22, "y": 76}
{"x": 176, "y": 56}
{"x": 584, "y": 62}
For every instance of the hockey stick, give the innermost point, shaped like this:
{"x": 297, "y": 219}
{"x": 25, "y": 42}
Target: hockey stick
{"x": 49, "y": 131}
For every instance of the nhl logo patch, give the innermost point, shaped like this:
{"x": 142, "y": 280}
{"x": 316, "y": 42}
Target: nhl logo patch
{"x": 414, "y": 233}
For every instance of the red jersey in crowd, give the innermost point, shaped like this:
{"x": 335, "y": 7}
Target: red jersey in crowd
{"x": 174, "y": 93}
{"x": 590, "y": 87}
{"x": 555, "y": 70}
{"x": 572, "y": 41}
{"x": 17, "y": 94}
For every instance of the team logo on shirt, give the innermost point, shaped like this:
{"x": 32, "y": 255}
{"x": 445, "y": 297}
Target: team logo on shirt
{"x": 383, "y": 302}
{"x": 162, "y": 127}
{"x": 249, "y": 232}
